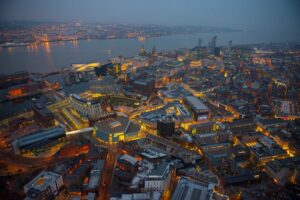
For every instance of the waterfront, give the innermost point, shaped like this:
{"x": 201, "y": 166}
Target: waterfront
{"x": 11, "y": 108}
{"x": 52, "y": 56}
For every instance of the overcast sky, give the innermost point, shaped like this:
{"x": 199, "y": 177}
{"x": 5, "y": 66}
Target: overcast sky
{"x": 271, "y": 15}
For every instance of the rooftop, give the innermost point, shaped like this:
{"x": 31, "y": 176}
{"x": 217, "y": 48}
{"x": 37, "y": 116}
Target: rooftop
{"x": 42, "y": 181}
{"x": 129, "y": 159}
{"x": 160, "y": 170}
{"x": 113, "y": 125}
{"x": 196, "y": 103}
{"x": 188, "y": 189}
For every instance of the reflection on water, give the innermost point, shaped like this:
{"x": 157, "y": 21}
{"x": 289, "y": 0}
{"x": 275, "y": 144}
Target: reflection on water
{"x": 10, "y": 50}
{"x": 47, "y": 47}
{"x": 48, "y": 56}
{"x": 33, "y": 48}
{"x": 74, "y": 43}
{"x": 61, "y": 43}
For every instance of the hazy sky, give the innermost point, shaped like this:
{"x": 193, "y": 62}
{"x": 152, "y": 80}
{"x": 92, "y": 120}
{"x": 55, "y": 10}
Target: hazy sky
{"x": 246, "y": 14}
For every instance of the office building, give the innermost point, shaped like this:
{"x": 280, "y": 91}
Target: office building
{"x": 144, "y": 86}
{"x": 16, "y": 78}
{"x": 159, "y": 178}
{"x": 44, "y": 186}
{"x": 212, "y": 44}
{"x": 93, "y": 110}
{"x": 95, "y": 175}
{"x": 215, "y": 144}
{"x": 199, "y": 44}
{"x": 165, "y": 127}
{"x": 190, "y": 189}
{"x": 128, "y": 163}
{"x": 283, "y": 169}
{"x": 199, "y": 110}
{"x": 229, "y": 45}
{"x": 105, "y": 85}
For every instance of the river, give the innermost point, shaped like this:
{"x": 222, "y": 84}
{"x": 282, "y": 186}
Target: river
{"x": 52, "y": 56}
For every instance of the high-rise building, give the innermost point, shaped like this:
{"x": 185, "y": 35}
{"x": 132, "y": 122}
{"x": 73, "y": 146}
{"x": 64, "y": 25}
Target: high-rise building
{"x": 212, "y": 44}
{"x": 230, "y": 45}
{"x": 165, "y": 127}
{"x": 199, "y": 42}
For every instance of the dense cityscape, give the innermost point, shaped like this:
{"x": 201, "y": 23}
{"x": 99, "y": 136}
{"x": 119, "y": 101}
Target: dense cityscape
{"x": 215, "y": 121}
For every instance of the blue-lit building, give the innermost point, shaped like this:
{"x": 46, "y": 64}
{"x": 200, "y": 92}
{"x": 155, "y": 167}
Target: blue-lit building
{"x": 40, "y": 139}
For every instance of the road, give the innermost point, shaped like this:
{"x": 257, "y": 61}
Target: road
{"x": 18, "y": 164}
{"x": 106, "y": 181}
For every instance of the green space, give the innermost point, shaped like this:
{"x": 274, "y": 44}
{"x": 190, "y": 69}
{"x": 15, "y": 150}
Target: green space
{"x": 124, "y": 101}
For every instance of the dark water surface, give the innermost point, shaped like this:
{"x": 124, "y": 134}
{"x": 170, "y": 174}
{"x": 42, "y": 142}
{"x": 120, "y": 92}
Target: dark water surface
{"x": 52, "y": 56}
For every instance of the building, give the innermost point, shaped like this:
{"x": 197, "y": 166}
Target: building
{"x": 128, "y": 163}
{"x": 43, "y": 115}
{"x": 272, "y": 123}
{"x": 266, "y": 150}
{"x": 216, "y": 144}
{"x": 40, "y": 139}
{"x": 93, "y": 110}
{"x": 190, "y": 189}
{"x": 75, "y": 180}
{"x": 95, "y": 175}
{"x": 159, "y": 178}
{"x": 165, "y": 127}
{"x": 240, "y": 126}
{"x": 283, "y": 169}
{"x": 105, "y": 85}
{"x": 155, "y": 195}
{"x": 43, "y": 186}
{"x": 199, "y": 44}
{"x": 164, "y": 147}
{"x": 175, "y": 111}
{"x": 212, "y": 44}
{"x": 199, "y": 110}
{"x": 91, "y": 196}
{"x": 229, "y": 45}
{"x": 14, "y": 79}
{"x": 202, "y": 127}
{"x": 103, "y": 69}
{"x": 116, "y": 129}
{"x": 144, "y": 86}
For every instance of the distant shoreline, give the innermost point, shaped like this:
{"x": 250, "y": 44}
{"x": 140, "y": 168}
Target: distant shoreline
{"x": 22, "y": 44}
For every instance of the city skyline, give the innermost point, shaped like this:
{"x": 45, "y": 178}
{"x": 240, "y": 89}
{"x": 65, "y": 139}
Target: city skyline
{"x": 149, "y": 100}
{"x": 246, "y": 15}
